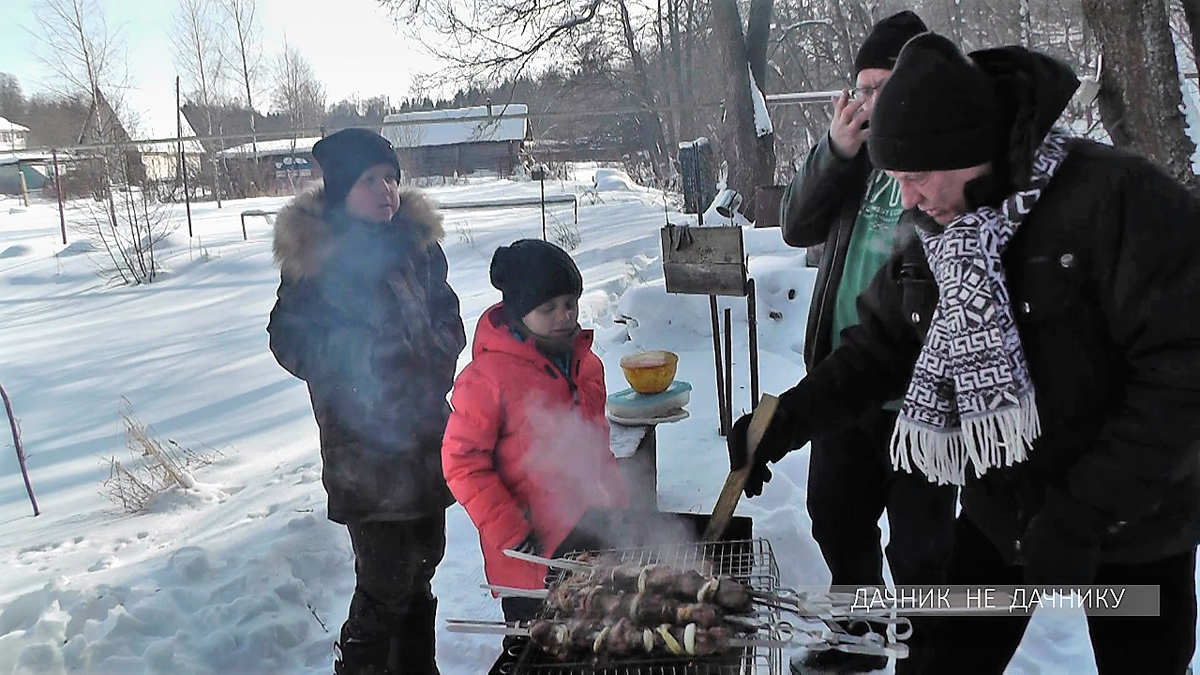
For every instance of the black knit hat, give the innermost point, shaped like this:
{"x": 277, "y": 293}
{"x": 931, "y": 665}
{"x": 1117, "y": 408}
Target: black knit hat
{"x": 938, "y": 111}
{"x": 886, "y": 40}
{"x": 344, "y": 156}
{"x": 530, "y": 272}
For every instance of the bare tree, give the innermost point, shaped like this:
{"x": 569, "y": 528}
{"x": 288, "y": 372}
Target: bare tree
{"x": 12, "y": 98}
{"x": 298, "y": 93}
{"x": 493, "y": 43}
{"x": 1140, "y": 95}
{"x": 1190, "y": 12}
{"x": 199, "y": 56}
{"x": 750, "y": 144}
{"x": 244, "y": 36}
{"x": 76, "y": 45}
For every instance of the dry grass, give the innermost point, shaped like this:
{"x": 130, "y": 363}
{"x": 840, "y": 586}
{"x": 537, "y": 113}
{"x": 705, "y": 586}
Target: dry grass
{"x": 155, "y": 465}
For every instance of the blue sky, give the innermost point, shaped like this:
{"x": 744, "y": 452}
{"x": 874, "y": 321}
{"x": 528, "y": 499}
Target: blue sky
{"x": 351, "y": 44}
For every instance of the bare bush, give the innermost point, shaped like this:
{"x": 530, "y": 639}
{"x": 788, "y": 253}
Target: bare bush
{"x": 565, "y": 235}
{"x": 155, "y": 466}
{"x": 126, "y": 229}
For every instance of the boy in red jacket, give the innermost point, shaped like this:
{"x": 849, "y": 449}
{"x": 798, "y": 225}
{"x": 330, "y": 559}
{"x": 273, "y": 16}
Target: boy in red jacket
{"x": 526, "y": 450}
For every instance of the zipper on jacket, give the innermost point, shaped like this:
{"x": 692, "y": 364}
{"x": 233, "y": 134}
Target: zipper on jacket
{"x": 553, "y": 372}
{"x": 837, "y": 242}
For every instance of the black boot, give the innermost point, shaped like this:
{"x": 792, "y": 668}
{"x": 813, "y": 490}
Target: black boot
{"x": 831, "y": 661}
{"x": 417, "y": 645}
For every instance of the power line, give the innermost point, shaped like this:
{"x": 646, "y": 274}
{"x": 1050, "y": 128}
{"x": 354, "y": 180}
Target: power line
{"x": 263, "y": 137}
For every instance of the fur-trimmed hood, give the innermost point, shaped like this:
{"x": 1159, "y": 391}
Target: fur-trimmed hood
{"x": 302, "y": 230}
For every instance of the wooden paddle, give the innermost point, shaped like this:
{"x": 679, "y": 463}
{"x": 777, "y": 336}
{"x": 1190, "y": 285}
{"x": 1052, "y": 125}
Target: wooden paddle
{"x": 736, "y": 482}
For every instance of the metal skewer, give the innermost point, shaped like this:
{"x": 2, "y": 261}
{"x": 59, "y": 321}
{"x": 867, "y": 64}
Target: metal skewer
{"x": 502, "y": 628}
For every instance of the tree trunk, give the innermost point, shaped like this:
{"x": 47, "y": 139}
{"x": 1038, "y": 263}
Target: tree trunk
{"x": 652, "y": 122}
{"x": 1140, "y": 97}
{"x": 751, "y": 157}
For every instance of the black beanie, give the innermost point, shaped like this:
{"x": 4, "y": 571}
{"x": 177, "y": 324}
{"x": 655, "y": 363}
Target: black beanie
{"x": 886, "y": 40}
{"x": 938, "y": 111}
{"x": 530, "y": 272}
{"x": 344, "y": 156}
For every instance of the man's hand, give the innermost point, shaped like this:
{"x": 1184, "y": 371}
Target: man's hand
{"x": 1061, "y": 545}
{"x": 847, "y": 132}
{"x": 776, "y": 442}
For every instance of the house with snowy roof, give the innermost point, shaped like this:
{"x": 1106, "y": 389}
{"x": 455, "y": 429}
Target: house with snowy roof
{"x": 272, "y": 167}
{"x": 459, "y": 141}
{"x": 13, "y": 136}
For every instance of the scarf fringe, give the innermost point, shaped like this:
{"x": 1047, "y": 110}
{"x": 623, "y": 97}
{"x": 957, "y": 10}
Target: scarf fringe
{"x": 1001, "y": 438}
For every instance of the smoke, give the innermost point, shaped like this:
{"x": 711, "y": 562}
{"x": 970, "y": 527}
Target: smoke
{"x": 567, "y": 462}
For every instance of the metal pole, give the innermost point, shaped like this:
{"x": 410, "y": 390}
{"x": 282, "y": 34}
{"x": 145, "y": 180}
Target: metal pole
{"x": 729, "y": 366}
{"x": 187, "y": 198}
{"x": 543, "y": 182}
{"x": 24, "y": 185}
{"x": 752, "y": 316}
{"x": 62, "y": 217}
{"x": 716, "y": 331}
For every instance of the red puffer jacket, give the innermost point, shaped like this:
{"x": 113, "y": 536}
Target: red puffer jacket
{"x": 526, "y": 448}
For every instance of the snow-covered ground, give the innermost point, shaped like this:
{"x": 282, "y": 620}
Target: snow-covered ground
{"x": 243, "y": 573}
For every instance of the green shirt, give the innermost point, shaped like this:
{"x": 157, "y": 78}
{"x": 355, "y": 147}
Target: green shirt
{"x": 870, "y": 245}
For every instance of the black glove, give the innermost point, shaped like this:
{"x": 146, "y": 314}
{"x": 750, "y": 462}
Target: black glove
{"x": 778, "y": 440}
{"x": 1061, "y": 545}
{"x": 530, "y": 545}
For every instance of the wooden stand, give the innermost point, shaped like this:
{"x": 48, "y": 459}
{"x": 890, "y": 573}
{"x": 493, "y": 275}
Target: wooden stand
{"x": 711, "y": 261}
{"x": 641, "y": 472}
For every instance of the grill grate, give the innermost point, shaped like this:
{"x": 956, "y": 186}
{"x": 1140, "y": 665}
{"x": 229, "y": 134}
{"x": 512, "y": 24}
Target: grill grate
{"x": 750, "y": 562}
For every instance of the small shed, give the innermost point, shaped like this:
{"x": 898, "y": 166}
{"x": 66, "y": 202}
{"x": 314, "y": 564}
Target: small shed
{"x": 33, "y": 167}
{"x": 279, "y": 166}
{"x": 459, "y": 141}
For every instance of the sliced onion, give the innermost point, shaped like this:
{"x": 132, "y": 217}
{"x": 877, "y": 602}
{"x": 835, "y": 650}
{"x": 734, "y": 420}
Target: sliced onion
{"x": 560, "y": 635}
{"x": 600, "y": 639}
{"x": 633, "y": 606}
{"x": 672, "y": 643}
{"x": 708, "y": 590}
{"x": 587, "y": 600}
{"x": 642, "y": 579}
{"x": 648, "y": 640}
{"x": 689, "y": 639}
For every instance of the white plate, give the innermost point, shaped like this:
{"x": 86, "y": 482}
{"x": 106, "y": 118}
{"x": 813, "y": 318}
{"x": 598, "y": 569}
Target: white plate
{"x": 645, "y": 421}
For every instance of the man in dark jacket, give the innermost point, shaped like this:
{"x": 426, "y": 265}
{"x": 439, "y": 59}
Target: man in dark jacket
{"x": 838, "y": 198}
{"x": 366, "y": 318}
{"x": 1039, "y": 318}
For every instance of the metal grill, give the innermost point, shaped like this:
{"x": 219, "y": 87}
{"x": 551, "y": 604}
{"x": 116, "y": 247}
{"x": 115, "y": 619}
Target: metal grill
{"x": 750, "y": 562}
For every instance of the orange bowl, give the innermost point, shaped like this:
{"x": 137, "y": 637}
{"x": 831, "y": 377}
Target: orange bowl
{"x": 650, "y": 372}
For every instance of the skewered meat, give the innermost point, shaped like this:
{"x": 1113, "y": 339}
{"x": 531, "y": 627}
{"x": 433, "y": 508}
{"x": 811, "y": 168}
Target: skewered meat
{"x": 670, "y": 582}
{"x": 643, "y": 609}
{"x": 574, "y": 638}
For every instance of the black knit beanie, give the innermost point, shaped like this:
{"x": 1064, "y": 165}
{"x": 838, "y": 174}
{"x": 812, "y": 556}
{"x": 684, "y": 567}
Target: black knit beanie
{"x": 344, "y": 156}
{"x": 530, "y": 272}
{"x": 886, "y": 40}
{"x": 938, "y": 111}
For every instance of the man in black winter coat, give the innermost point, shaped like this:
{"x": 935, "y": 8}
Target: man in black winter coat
{"x": 839, "y": 199}
{"x": 366, "y": 318}
{"x": 1039, "y": 318}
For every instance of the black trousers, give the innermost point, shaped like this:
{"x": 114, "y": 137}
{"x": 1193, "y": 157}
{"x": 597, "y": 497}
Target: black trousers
{"x": 983, "y": 645}
{"x": 393, "y": 613}
{"x": 850, "y": 484}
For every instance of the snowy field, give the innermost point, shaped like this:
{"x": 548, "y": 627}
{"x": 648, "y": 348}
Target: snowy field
{"x": 243, "y": 573}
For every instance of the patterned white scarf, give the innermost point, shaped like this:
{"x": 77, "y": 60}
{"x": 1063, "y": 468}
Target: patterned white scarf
{"x": 971, "y": 399}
